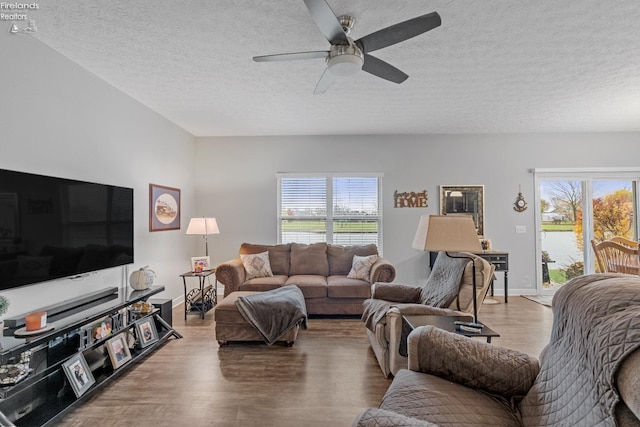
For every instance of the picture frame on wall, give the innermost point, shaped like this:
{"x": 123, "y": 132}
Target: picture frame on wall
{"x": 465, "y": 200}
{"x": 118, "y": 349}
{"x": 200, "y": 264}
{"x": 146, "y": 331}
{"x": 78, "y": 374}
{"x": 164, "y": 208}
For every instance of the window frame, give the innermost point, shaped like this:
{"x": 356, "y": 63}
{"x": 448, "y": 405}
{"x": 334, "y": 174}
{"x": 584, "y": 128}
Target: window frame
{"x": 329, "y": 217}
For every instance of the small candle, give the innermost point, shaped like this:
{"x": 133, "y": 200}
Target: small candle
{"x": 36, "y": 321}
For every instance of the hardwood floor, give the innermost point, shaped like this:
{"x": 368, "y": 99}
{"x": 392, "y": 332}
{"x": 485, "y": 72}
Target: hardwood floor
{"x": 325, "y": 379}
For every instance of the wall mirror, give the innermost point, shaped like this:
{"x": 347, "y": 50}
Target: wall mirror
{"x": 464, "y": 200}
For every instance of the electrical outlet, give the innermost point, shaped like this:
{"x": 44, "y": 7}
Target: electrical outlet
{"x": 521, "y": 228}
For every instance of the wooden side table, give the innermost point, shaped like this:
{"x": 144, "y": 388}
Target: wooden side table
{"x": 203, "y": 298}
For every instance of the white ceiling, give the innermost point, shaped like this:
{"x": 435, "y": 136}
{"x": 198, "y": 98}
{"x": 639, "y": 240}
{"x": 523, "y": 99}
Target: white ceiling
{"x": 493, "y": 66}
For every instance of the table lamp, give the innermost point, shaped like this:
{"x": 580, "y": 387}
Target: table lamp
{"x": 203, "y": 226}
{"x": 450, "y": 233}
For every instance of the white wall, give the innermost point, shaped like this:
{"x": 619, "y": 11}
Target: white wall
{"x": 235, "y": 182}
{"x": 58, "y": 119}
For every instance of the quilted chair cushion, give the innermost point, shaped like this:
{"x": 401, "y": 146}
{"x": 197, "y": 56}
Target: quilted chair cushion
{"x": 442, "y": 402}
{"x": 472, "y": 363}
{"x": 596, "y": 324}
{"x": 381, "y": 418}
{"x": 444, "y": 281}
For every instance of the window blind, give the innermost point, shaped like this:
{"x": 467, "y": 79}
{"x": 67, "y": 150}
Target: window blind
{"x": 340, "y": 209}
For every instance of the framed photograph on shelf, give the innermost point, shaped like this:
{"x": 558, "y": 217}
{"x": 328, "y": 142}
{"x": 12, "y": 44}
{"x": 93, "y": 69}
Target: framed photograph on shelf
{"x": 146, "y": 331}
{"x": 78, "y": 374}
{"x": 164, "y": 208}
{"x": 200, "y": 264}
{"x": 118, "y": 349}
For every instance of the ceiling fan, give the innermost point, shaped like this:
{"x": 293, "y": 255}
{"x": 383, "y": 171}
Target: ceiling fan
{"x": 346, "y": 56}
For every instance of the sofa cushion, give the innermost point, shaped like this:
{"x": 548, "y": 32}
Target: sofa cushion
{"x": 278, "y": 255}
{"x": 340, "y": 258}
{"x": 361, "y": 268}
{"x": 263, "y": 283}
{"x": 312, "y": 286}
{"x": 309, "y": 259}
{"x": 343, "y": 287}
{"x": 256, "y": 265}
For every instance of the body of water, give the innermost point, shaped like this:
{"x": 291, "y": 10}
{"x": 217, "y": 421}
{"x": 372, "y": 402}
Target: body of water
{"x": 562, "y": 248}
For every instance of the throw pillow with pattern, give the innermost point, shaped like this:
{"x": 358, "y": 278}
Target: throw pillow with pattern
{"x": 256, "y": 265}
{"x": 361, "y": 267}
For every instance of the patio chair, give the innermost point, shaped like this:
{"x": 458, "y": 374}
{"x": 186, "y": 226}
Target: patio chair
{"x": 614, "y": 257}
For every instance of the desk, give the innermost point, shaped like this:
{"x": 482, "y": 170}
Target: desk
{"x": 498, "y": 258}
{"x": 201, "y": 299}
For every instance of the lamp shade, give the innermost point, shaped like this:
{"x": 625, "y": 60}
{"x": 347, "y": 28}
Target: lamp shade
{"x": 448, "y": 233}
{"x": 203, "y": 226}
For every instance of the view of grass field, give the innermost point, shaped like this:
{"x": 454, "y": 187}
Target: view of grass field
{"x": 553, "y": 226}
{"x": 338, "y": 226}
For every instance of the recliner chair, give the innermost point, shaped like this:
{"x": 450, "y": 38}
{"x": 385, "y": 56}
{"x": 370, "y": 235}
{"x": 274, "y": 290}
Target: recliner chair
{"x": 385, "y": 335}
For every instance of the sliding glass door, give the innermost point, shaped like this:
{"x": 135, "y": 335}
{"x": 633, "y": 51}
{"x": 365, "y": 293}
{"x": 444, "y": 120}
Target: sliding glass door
{"x": 575, "y": 207}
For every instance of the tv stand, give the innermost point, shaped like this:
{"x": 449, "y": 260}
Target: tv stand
{"x": 45, "y": 395}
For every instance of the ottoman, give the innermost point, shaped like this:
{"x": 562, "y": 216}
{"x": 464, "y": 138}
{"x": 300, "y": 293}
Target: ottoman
{"x": 232, "y": 326}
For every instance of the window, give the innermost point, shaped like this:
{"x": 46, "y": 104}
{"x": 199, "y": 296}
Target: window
{"x": 335, "y": 208}
{"x": 576, "y": 206}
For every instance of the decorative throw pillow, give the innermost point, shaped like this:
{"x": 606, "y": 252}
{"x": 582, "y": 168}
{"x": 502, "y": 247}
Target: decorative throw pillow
{"x": 256, "y": 265}
{"x": 361, "y": 267}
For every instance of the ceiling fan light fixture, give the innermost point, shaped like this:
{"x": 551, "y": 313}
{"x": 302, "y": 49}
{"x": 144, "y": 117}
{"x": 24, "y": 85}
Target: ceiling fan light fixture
{"x": 345, "y": 65}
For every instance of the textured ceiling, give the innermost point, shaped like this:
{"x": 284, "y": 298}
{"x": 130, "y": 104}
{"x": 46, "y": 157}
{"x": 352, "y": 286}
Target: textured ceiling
{"x": 493, "y": 66}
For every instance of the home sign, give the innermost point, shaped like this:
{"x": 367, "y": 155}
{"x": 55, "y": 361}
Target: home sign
{"x": 411, "y": 199}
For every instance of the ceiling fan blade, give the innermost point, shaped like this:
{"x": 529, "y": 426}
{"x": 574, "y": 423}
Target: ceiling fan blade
{"x": 326, "y": 21}
{"x": 323, "y": 83}
{"x": 399, "y": 32}
{"x": 292, "y": 56}
{"x": 384, "y": 70}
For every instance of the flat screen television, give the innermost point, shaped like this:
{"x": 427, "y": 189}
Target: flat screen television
{"x": 55, "y": 227}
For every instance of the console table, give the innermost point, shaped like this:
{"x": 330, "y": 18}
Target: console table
{"x": 45, "y": 395}
{"x": 499, "y": 259}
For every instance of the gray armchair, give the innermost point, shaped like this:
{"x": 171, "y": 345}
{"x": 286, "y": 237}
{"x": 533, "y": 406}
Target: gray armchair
{"x": 588, "y": 375}
{"x": 448, "y": 291}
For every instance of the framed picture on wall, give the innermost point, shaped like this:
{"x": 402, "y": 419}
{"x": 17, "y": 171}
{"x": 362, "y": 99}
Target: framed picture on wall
{"x": 164, "y": 208}
{"x": 464, "y": 200}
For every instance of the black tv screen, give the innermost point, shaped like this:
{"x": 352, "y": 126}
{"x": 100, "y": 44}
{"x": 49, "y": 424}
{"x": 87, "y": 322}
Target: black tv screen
{"x": 55, "y": 227}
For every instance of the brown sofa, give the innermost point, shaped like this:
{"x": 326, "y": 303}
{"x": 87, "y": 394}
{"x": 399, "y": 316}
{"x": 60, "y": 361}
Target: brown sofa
{"x": 588, "y": 374}
{"x": 319, "y": 269}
